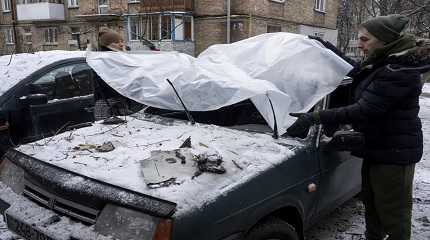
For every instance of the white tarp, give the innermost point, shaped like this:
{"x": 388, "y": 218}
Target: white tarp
{"x": 293, "y": 71}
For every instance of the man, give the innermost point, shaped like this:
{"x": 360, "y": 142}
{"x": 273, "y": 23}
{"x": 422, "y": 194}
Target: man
{"x": 386, "y": 95}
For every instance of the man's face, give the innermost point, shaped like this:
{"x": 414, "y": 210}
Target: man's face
{"x": 367, "y": 41}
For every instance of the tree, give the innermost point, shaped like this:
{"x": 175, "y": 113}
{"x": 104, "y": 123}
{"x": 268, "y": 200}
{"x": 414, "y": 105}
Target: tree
{"x": 354, "y": 12}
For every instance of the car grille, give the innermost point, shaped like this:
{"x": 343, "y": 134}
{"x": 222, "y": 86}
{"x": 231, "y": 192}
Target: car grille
{"x": 60, "y": 205}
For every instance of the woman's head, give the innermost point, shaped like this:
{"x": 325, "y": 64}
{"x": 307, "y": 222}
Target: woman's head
{"x": 111, "y": 39}
{"x": 380, "y": 31}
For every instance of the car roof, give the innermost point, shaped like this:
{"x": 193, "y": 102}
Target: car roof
{"x": 15, "y": 68}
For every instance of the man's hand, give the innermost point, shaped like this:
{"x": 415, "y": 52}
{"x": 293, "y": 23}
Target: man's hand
{"x": 300, "y": 127}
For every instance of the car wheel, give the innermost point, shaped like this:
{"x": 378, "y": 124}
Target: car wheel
{"x": 273, "y": 229}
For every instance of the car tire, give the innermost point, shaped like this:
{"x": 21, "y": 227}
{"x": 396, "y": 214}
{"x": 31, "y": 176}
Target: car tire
{"x": 273, "y": 229}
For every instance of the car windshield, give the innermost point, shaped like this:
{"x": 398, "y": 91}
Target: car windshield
{"x": 239, "y": 114}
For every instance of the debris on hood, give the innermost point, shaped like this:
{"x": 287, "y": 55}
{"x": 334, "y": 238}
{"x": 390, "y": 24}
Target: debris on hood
{"x": 162, "y": 166}
{"x": 165, "y": 168}
{"x": 187, "y": 143}
{"x": 209, "y": 162}
{"x": 168, "y": 182}
{"x": 113, "y": 120}
{"x": 105, "y": 147}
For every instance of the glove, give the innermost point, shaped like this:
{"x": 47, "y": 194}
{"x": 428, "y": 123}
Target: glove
{"x": 300, "y": 127}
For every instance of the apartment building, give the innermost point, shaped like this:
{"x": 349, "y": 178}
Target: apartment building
{"x": 188, "y": 26}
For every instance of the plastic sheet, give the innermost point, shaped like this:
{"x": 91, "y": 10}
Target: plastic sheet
{"x": 292, "y": 70}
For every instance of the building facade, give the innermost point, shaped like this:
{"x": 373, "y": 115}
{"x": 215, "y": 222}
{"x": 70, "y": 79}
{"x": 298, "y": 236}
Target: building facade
{"x": 188, "y": 26}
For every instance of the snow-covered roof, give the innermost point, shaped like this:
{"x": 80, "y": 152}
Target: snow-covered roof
{"x": 244, "y": 154}
{"x": 15, "y": 68}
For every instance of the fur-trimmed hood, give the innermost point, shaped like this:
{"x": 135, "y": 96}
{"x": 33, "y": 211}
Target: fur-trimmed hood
{"x": 413, "y": 58}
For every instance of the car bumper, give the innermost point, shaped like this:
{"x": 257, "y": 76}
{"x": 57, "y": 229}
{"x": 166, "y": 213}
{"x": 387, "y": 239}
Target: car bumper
{"x": 31, "y": 221}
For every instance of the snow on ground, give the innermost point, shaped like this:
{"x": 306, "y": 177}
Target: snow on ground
{"x": 18, "y": 66}
{"x": 347, "y": 221}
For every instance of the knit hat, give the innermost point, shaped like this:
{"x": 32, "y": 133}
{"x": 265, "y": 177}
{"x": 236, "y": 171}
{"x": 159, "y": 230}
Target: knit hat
{"x": 108, "y": 36}
{"x": 386, "y": 28}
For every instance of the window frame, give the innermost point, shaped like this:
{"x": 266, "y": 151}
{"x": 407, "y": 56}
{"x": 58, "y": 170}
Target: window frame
{"x": 6, "y": 5}
{"x": 73, "y": 4}
{"x": 47, "y": 40}
{"x": 9, "y": 36}
{"x": 149, "y": 26}
{"x": 320, "y": 6}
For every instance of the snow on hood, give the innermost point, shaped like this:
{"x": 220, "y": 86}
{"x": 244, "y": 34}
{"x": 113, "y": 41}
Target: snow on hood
{"x": 292, "y": 70}
{"x": 15, "y": 69}
{"x": 245, "y": 155}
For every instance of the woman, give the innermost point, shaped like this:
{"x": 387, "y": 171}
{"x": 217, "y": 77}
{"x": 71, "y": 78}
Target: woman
{"x": 387, "y": 88}
{"x": 109, "y": 102}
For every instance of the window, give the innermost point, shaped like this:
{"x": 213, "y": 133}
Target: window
{"x": 51, "y": 35}
{"x": 166, "y": 27}
{"x": 183, "y": 28}
{"x": 272, "y": 29}
{"x": 103, "y": 6}
{"x": 65, "y": 82}
{"x": 135, "y": 26}
{"x": 320, "y": 5}
{"x": 161, "y": 27}
{"x": 9, "y": 36}
{"x": 5, "y": 5}
{"x": 73, "y": 3}
{"x": 27, "y": 36}
{"x": 133, "y": 1}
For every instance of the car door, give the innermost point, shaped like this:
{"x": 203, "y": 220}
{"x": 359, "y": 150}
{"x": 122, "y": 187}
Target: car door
{"x": 70, "y": 101}
{"x": 340, "y": 171}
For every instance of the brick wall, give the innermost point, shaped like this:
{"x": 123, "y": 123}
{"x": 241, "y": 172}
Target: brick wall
{"x": 254, "y": 16}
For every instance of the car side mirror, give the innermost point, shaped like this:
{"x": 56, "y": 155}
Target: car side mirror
{"x": 33, "y": 99}
{"x": 346, "y": 141}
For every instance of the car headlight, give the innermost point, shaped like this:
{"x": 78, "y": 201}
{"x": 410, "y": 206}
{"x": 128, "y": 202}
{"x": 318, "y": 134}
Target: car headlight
{"x": 125, "y": 223}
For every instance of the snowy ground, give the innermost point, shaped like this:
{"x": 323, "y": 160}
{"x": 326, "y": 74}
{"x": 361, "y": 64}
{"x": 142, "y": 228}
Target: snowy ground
{"x": 347, "y": 221}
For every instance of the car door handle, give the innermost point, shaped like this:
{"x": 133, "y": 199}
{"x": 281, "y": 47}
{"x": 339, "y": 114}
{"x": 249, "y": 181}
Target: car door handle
{"x": 89, "y": 109}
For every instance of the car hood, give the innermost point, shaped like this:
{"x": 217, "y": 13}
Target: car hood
{"x": 244, "y": 156}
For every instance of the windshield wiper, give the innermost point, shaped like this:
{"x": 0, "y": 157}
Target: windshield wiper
{"x": 275, "y": 124}
{"x": 183, "y": 105}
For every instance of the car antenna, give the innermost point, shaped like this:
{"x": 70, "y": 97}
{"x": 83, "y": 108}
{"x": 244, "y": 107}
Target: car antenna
{"x": 183, "y": 105}
{"x": 275, "y": 125}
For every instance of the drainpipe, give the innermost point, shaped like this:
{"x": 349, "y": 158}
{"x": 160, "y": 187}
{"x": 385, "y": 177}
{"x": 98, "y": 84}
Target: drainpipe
{"x": 228, "y": 20}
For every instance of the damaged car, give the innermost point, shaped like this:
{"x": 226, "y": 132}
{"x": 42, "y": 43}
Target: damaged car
{"x": 207, "y": 158}
{"x": 43, "y": 93}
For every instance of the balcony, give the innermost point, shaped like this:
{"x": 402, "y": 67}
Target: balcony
{"x": 167, "y": 5}
{"x": 42, "y": 11}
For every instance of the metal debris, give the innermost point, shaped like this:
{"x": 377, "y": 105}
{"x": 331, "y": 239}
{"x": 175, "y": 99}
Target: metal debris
{"x": 210, "y": 163}
{"x": 186, "y": 143}
{"x": 113, "y": 120}
{"x": 105, "y": 147}
{"x": 168, "y": 182}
